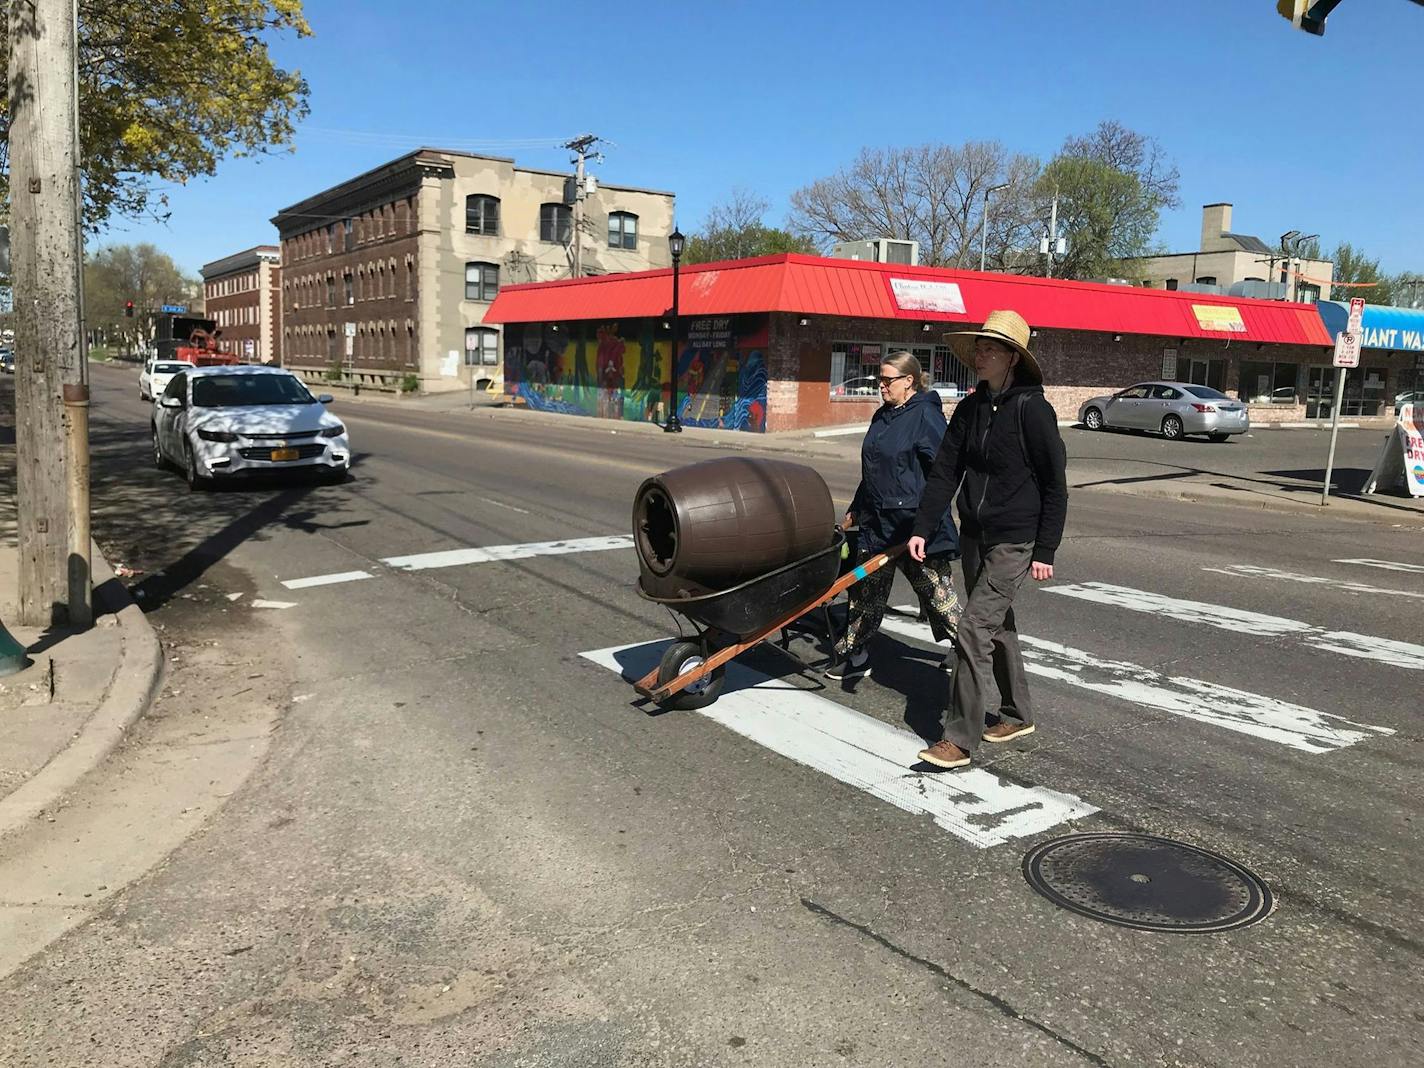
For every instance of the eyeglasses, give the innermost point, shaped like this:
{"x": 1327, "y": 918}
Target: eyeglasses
{"x": 893, "y": 378}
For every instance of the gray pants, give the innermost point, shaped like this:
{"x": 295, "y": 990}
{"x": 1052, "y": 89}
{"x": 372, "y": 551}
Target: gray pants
{"x": 989, "y": 658}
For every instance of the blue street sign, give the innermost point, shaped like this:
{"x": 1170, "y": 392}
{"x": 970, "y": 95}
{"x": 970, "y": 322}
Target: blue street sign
{"x": 174, "y": 309}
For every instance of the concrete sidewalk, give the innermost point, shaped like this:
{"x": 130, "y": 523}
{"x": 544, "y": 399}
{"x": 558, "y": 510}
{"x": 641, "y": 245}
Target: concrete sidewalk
{"x": 60, "y": 717}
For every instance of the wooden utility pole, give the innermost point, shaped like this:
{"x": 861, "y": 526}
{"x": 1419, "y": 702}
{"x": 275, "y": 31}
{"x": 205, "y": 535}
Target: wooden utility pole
{"x": 51, "y": 370}
{"x": 581, "y": 146}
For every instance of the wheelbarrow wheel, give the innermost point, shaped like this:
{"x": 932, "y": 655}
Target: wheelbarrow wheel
{"x": 683, "y": 656}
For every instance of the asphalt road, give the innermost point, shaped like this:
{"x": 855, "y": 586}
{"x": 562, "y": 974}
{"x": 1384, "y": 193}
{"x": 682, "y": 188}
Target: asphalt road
{"x": 469, "y": 843}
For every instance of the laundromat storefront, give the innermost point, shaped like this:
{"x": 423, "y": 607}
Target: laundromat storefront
{"x": 1391, "y": 371}
{"x": 789, "y": 342}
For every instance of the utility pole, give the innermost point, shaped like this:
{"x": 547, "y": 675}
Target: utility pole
{"x": 51, "y": 368}
{"x": 1051, "y": 245}
{"x": 581, "y": 146}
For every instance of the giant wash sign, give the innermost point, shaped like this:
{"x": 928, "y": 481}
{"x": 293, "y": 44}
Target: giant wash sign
{"x": 1403, "y": 457}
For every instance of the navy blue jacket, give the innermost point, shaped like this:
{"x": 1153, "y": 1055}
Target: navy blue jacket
{"x": 895, "y": 459}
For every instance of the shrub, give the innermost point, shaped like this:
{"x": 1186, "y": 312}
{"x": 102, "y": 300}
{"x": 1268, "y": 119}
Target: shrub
{"x": 410, "y": 383}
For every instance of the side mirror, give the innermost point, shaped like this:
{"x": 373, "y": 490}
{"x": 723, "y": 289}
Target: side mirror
{"x": 325, "y": 398}
{"x": 171, "y": 402}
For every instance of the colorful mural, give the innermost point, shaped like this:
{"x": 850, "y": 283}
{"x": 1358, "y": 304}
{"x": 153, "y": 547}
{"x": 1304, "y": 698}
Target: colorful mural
{"x": 617, "y": 370}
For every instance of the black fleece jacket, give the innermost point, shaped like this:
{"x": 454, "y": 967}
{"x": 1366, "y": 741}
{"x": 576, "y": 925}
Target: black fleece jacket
{"x": 1008, "y": 452}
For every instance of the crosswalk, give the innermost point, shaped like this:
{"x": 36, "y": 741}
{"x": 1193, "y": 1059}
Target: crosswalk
{"x": 790, "y": 718}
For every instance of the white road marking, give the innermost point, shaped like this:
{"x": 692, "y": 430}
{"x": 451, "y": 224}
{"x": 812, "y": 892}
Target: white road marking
{"x": 1221, "y": 706}
{"x": 327, "y": 580}
{"x": 274, "y": 604}
{"x": 488, "y": 553}
{"x": 234, "y": 597}
{"x": 1346, "y": 643}
{"x": 1388, "y": 565}
{"x": 981, "y": 808}
{"x": 1253, "y": 571}
{"x": 501, "y": 504}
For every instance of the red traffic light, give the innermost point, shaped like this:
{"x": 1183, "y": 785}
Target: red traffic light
{"x": 128, "y": 308}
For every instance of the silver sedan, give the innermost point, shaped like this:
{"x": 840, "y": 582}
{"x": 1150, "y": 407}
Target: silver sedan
{"x": 1172, "y": 409}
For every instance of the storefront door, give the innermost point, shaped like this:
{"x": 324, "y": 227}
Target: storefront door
{"x": 1320, "y": 392}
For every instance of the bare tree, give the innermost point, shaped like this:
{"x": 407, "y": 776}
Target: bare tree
{"x": 1130, "y": 152}
{"x": 933, "y": 194}
{"x": 734, "y": 230}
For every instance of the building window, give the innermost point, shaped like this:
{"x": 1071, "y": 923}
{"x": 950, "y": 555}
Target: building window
{"x": 1207, "y": 280}
{"x": 1307, "y": 294}
{"x": 481, "y": 347}
{"x": 1263, "y": 382}
{"x": 622, "y": 230}
{"x": 854, "y": 367}
{"x": 482, "y": 215}
{"x": 330, "y": 291}
{"x": 350, "y": 289}
{"x": 1171, "y": 283}
{"x": 481, "y": 281}
{"x": 556, "y": 223}
{"x": 349, "y": 236}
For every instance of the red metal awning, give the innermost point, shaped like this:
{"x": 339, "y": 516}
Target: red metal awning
{"x": 810, "y": 285}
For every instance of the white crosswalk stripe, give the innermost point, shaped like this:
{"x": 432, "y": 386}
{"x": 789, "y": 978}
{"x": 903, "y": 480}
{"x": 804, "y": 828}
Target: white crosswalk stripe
{"x": 1289, "y": 724}
{"x": 975, "y": 805}
{"x": 1387, "y": 565}
{"x": 1346, "y": 643}
{"x": 1253, "y": 571}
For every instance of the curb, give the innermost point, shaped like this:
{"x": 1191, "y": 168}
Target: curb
{"x": 129, "y": 695}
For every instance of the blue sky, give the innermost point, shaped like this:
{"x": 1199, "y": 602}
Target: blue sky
{"x": 1320, "y": 135}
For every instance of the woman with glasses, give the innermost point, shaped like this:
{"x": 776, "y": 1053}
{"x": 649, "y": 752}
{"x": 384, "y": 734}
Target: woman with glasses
{"x": 899, "y": 448}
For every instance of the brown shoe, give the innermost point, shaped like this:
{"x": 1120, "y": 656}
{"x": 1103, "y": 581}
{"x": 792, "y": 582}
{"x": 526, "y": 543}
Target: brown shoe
{"x": 1006, "y": 731}
{"x": 945, "y": 754}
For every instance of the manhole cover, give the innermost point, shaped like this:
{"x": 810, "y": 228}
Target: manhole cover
{"x": 1147, "y": 883}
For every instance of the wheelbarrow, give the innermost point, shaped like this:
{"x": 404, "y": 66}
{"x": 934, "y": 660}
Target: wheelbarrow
{"x": 731, "y": 621}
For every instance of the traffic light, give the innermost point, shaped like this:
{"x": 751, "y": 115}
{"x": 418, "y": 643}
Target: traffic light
{"x": 1307, "y": 15}
{"x": 128, "y": 308}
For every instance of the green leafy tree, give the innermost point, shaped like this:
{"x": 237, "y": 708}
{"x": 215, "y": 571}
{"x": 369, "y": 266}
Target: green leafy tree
{"x": 735, "y": 230}
{"x": 140, "y": 273}
{"x": 1353, "y": 266}
{"x": 169, "y": 89}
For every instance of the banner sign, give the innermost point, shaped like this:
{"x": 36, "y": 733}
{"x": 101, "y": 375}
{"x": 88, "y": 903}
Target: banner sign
{"x": 1403, "y": 457}
{"x": 917, "y": 294}
{"x": 1219, "y": 317}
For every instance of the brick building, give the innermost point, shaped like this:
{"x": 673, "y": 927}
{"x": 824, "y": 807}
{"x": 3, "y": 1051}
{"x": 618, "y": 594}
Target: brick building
{"x": 390, "y": 274}
{"x": 243, "y": 294}
{"x": 786, "y": 342}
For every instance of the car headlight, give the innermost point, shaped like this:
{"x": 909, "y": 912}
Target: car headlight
{"x": 217, "y": 435}
{"x": 333, "y": 431}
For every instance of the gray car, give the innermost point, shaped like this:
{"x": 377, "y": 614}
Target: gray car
{"x": 1172, "y": 409}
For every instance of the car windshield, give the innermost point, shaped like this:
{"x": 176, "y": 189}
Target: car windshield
{"x": 1207, "y": 393}
{"x": 238, "y": 391}
{"x": 171, "y": 368}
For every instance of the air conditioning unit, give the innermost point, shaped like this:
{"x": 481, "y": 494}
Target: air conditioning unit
{"x": 1202, "y": 287}
{"x": 1257, "y": 290}
{"x": 879, "y": 250}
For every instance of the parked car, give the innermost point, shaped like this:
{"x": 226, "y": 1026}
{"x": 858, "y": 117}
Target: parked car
{"x": 1172, "y": 409}
{"x": 865, "y": 386}
{"x": 156, "y": 375}
{"x": 225, "y": 421}
{"x": 7, "y": 361}
{"x": 950, "y": 391}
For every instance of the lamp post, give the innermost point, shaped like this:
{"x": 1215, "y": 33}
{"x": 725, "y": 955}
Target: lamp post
{"x": 984, "y": 222}
{"x": 673, "y": 425}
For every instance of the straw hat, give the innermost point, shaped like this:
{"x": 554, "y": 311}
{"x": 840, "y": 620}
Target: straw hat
{"x": 1007, "y": 328}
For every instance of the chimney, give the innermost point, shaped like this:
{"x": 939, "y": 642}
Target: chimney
{"x": 1216, "y": 220}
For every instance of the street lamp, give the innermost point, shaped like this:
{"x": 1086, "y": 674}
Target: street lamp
{"x": 673, "y": 425}
{"x": 984, "y": 222}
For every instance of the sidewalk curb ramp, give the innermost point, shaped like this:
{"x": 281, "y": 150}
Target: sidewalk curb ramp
{"x": 128, "y": 697}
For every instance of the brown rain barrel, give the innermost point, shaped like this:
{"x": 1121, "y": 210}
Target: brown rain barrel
{"x": 718, "y": 523}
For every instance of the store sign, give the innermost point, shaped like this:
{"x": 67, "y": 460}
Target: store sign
{"x": 1219, "y": 317}
{"x": 1407, "y": 340}
{"x": 1169, "y": 364}
{"x": 1403, "y": 457}
{"x": 917, "y": 294}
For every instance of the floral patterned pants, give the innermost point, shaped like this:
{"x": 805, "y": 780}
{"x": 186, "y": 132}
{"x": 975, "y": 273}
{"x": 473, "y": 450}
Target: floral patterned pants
{"x": 933, "y": 582}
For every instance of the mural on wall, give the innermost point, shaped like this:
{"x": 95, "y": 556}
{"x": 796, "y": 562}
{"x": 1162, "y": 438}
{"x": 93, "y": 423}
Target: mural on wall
{"x": 617, "y": 370}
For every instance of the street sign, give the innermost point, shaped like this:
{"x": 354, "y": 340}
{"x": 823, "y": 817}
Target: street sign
{"x": 1347, "y": 349}
{"x": 173, "y": 309}
{"x": 350, "y": 329}
{"x": 1357, "y": 315}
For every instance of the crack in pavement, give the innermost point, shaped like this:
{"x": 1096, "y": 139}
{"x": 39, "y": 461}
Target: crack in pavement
{"x": 993, "y": 1000}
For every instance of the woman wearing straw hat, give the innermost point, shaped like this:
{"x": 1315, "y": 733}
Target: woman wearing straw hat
{"x": 1003, "y": 446}
{"x": 895, "y": 457}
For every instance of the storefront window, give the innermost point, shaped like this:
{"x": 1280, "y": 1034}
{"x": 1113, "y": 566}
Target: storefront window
{"x": 1268, "y": 383}
{"x": 1364, "y": 392}
{"x": 1409, "y": 385}
{"x": 855, "y": 367}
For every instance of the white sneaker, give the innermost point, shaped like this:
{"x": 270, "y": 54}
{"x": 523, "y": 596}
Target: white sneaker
{"x": 853, "y": 667}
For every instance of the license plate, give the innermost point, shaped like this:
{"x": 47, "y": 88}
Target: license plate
{"x": 284, "y": 454}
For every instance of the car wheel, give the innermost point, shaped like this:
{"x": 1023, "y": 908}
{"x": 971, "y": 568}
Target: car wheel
{"x": 1093, "y": 419}
{"x": 684, "y": 656}
{"x": 158, "y": 460}
{"x": 196, "y": 482}
{"x": 1172, "y": 428}
{"x": 1218, "y": 438}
